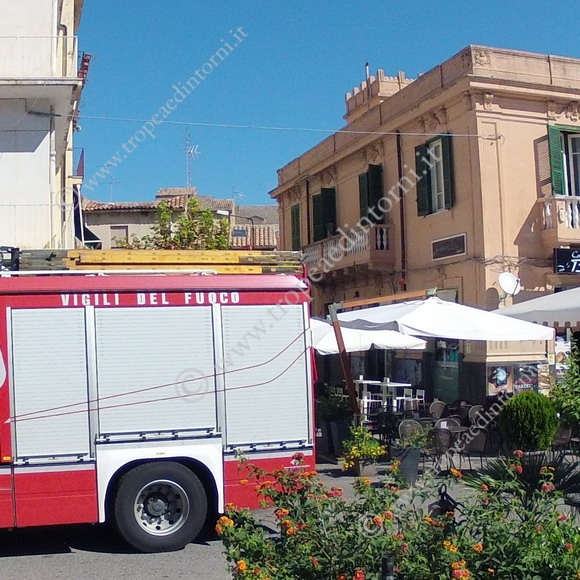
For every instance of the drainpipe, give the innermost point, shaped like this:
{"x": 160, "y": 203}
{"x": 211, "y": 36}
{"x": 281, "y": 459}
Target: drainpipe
{"x": 402, "y": 211}
{"x": 52, "y": 175}
{"x": 308, "y": 234}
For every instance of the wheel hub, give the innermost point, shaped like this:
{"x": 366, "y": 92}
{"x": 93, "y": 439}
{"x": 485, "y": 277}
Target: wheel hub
{"x": 156, "y": 505}
{"x": 161, "y": 507}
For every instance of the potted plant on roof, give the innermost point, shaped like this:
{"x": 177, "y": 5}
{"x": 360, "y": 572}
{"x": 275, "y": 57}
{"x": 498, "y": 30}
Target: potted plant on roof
{"x": 361, "y": 450}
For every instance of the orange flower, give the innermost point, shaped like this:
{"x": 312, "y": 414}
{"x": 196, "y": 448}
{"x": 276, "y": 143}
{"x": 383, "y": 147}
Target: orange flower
{"x": 242, "y": 566}
{"x": 359, "y": 575}
{"x": 225, "y": 521}
{"x": 365, "y": 480}
{"x": 518, "y": 453}
{"x": 518, "y": 469}
{"x": 315, "y": 561}
{"x": 219, "y": 530}
{"x": 341, "y": 577}
{"x": 478, "y": 547}
{"x": 484, "y": 487}
{"x": 456, "y": 473}
{"x": 378, "y": 520}
{"x": 492, "y": 572}
{"x": 244, "y": 481}
{"x": 562, "y": 517}
{"x": 281, "y": 513}
{"x": 290, "y": 532}
{"x": 388, "y": 515}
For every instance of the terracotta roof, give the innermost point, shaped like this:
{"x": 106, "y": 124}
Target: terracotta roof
{"x": 177, "y": 202}
{"x": 263, "y": 237}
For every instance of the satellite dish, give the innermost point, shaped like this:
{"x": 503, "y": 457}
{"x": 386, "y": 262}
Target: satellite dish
{"x": 509, "y": 283}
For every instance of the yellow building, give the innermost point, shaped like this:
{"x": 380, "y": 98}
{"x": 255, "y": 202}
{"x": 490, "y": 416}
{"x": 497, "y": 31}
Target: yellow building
{"x": 445, "y": 181}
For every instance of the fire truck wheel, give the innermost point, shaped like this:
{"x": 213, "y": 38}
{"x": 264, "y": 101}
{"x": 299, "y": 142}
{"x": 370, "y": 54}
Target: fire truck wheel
{"x": 160, "y": 507}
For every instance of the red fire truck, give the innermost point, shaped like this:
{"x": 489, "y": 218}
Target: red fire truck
{"x": 126, "y": 397}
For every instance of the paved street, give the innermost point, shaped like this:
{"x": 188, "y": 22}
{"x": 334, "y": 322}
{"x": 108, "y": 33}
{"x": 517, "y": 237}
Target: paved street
{"x": 95, "y": 552}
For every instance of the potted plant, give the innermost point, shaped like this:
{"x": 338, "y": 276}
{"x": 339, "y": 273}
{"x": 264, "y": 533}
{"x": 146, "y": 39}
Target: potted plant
{"x": 408, "y": 454}
{"x": 528, "y": 421}
{"x": 566, "y": 393}
{"x": 361, "y": 450}
{"x": 337, "y": 414}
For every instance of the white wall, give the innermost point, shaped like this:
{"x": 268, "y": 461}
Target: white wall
{"x": 24, "y": 177}
{"x": 27, "y": 38}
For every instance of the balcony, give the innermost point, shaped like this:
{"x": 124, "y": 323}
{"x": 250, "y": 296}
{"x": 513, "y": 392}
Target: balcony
{"x": 560, "y": 220}
{"x": 370, "y": 248}
{"x": 38, "y": 57}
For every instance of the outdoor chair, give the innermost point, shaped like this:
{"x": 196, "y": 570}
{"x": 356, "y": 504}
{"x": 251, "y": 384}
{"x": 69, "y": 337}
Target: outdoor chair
{"x": 440, "y": 442}
{"x": 407, "y": 427}
{"x": 562, "y": 439}
{"x": 447, "y": 422}
{"x": 478, "y": 445}
{"x": 474, "y": 412}
{"x": 437, "y": 409}
{"x": 385, "y": 426}
{"x": 426, "y": 422}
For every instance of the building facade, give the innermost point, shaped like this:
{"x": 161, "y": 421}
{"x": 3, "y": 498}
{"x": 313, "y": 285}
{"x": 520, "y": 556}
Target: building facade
{"x": 40, "y": 86}
{"x": 446, "y": 181}
{"x": 113, "y": 224}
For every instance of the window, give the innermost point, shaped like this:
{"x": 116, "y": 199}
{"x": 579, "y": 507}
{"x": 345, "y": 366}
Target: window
{"x": 434, "y": 166}
{"x": 370, "y": 188}
{"x": 324, "y": 213}
{"x": 564, "y": 145}
{"x": 295, "y": 226}
{"x": 119, "y": 236}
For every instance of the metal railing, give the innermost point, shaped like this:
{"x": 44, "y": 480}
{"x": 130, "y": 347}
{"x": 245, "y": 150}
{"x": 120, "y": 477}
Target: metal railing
{"x": 23, "y": 57}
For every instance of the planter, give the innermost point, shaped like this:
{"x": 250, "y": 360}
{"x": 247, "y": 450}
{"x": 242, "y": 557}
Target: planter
{"x": 363, "y": 468}
{"x": 340, "y": 431}
{"x": 325, "y": 440}
{"x": 409, "y": 467}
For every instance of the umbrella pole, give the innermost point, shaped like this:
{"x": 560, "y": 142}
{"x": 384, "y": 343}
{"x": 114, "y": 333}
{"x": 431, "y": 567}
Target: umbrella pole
{"x": 344, "y": 361}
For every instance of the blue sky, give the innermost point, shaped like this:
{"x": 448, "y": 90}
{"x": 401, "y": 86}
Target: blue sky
{"x": 291, "y": 69}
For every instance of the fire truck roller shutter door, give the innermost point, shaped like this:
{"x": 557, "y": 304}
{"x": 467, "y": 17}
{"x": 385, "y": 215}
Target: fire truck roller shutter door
{"x": 160, "y": 507}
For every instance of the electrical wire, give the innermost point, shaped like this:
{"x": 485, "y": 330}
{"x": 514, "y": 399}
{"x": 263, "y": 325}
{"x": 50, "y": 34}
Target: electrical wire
{"x": 274, "y": 128}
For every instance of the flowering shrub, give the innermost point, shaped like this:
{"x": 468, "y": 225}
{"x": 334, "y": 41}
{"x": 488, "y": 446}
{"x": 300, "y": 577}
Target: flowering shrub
{"x": 320, "y": 536}
{"x": 362, "y": 447}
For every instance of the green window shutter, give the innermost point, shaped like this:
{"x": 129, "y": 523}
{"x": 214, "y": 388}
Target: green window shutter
{"x": 295, "y": 226}
{"x": 376, "y": 190}
{"x": 328, "y": 195}
{"x": 556, "y": 160}
{"x": 424, "y": 183}
{"x": 448, "y": 177}
{"x": 318, "y": 230}
{"x": 363, "y": 194}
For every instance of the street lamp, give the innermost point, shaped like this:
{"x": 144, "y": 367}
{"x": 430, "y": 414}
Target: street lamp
{"x": 226, "y": 213}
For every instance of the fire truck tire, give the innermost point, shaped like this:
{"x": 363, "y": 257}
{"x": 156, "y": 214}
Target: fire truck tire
{"x": 160, "y": 507}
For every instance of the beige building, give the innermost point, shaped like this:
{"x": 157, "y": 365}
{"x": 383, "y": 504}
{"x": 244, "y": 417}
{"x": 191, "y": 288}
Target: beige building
{"x": 446, "y": 181}
{"x": 252, "y": 227}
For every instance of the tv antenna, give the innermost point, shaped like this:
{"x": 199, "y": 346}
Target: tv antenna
{"x": 191, "y": 152}
{"x": 111, "y": 182}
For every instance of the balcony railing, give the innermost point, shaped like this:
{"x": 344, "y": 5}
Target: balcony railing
{"x": 370, "y": 247}
{"x": 560, "y": 220}
{"x": 38, "y": 57}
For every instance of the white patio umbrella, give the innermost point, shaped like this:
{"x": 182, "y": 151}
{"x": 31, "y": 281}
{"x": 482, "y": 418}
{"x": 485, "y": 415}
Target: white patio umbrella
{"x": 441, "y": 319}
{"x": 355, "y": 340}
{"x": 553, "y": 309}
